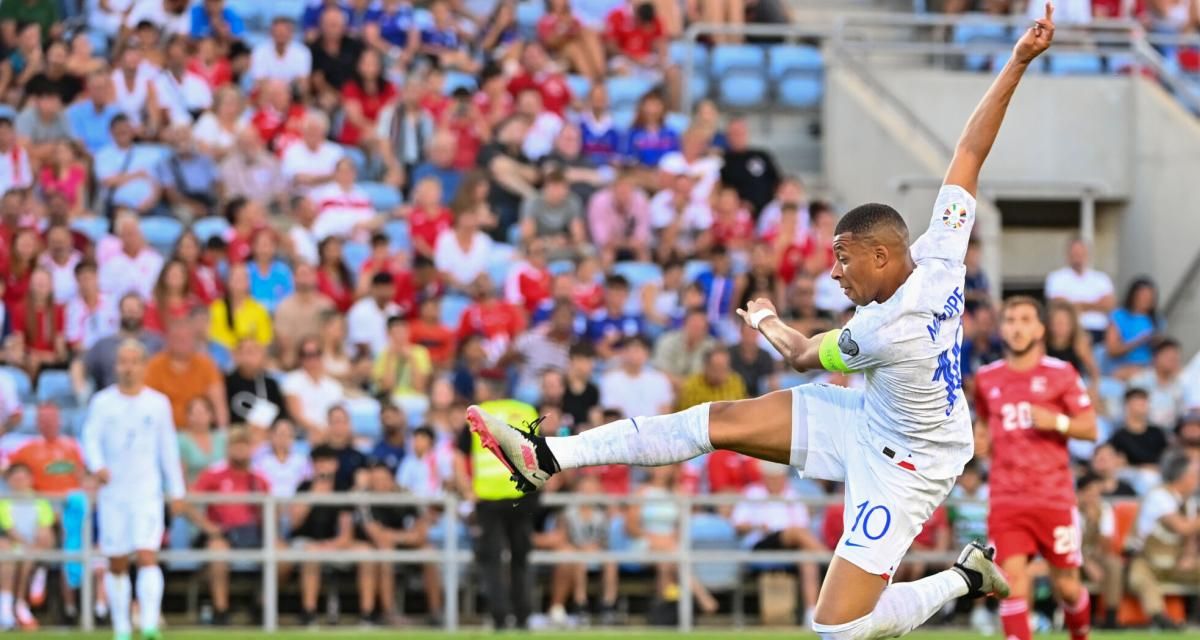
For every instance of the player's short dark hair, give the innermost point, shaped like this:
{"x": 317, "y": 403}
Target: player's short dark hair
{"x": 1136, "y": 392}
{"x": 867, "y": 219}
{"x": 1017, "y": 301}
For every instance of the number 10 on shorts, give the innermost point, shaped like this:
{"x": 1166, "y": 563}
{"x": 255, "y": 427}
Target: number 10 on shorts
{"x": 874, "y": 520}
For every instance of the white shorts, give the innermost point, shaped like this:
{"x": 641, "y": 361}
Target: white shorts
{"x": 887, "y": 501}
{"x": 130, "y": 525}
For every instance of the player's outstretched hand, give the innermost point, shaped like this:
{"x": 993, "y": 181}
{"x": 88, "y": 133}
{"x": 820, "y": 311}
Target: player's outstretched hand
{"x": 1037, "y": 39}
{"x": 758, "y": 304}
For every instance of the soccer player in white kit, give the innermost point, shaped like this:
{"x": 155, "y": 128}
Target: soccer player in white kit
{"x": 129, "y": 445}
{"x": 898, "y": 445}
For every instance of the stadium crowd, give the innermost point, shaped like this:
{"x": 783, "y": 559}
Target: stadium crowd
{"x": 336, "y": 228}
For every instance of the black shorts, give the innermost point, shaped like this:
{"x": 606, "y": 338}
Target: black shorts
{"x": 247, "y": 537}
{"x": 773, "y": 542}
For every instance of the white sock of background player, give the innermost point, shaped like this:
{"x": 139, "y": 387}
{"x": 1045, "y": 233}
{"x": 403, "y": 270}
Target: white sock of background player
{"x": 646, "y": 442}
{"x": 149, "y": 595}
{"x": 901, "y": 608}
{"x": 119, "y": 597}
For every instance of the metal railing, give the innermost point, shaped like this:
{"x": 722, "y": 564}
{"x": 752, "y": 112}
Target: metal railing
{"x": 450, "y": 557}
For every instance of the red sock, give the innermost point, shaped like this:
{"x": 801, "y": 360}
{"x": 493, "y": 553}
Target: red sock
{"x": 1079, "y": 616}
{"x": 1014, "y": 617}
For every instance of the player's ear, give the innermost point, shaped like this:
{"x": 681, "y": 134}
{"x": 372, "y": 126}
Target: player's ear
{"x": 881, "y": 255}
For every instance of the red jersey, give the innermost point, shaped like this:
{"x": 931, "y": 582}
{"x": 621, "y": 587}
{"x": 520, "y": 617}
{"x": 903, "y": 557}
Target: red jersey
{"x": 37, "y": 337}
{"x": 1030, "y": 468}
{"x": 278, "y": 129}
{"x": 440, "y": 341}
{"x": 370, "y": 105}
{"x": 734, "y": 232}
{"x": 492, "y": 319}
{"x": 466, "y": 134}
{"x": 216, "y": 75}
{"x": 635, "y": 41}
{"x": 426, "y": 225}
{"x": 558, "y": 28}
{"x": 222, "y": 478}
{"x": 729, "y": 471}
{"x": 556, "y": 93}
{"x": 528, "y": 286}
{"x": 493, "y": 110}
{"x": 340, "y": 293}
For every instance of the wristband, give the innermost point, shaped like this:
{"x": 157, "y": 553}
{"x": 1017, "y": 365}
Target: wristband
{"x": 757, "y": 317}
{"x": 1062, "y": 424}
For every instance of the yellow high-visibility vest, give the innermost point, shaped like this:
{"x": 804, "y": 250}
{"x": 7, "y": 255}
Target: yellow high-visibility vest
{"x": 491, "y": 479}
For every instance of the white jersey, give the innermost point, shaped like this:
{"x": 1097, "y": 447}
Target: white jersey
{"x": 909, "y": 348}
{"x": 133, "y": 437}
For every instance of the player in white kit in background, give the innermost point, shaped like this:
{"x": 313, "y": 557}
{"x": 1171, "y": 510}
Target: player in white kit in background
{"x": 898, "y": 445}
{"x": 129, "y": 445}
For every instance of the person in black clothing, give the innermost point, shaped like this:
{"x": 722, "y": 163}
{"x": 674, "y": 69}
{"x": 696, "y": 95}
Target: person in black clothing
{"x": 581, "y": 398}
{"x": 512, "y": 175}
{"x": 340, "y": 439}
{"x": 321, "y": 527}
{"x": 750, "y": 361}
{"x": 384, "y": 527}
{"x": 752, "y": 172}
{"x": 254, "y": 397}
{"x": 1142, "y": 443}
{"x": 334, "y": 57}
{"x": 1106, "y": 464}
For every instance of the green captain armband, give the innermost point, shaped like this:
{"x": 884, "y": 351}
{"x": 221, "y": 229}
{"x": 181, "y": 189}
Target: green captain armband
{"x": 830, "y": 353}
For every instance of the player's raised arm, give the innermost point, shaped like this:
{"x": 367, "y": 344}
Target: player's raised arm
{"x": 984, "y": 124}
{"x": 799, "y": 351}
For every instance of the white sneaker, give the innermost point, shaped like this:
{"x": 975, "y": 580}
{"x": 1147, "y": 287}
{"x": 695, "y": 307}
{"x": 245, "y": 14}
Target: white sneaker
{"x": 981, "y": 621}
{"x": 37, "y": 587}
{"x": 983, "y": 577}
{"x": 558, "y": 615}
{"x": 522, "y": 453}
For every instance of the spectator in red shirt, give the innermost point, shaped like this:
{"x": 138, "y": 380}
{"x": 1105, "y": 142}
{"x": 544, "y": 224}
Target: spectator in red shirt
{"x": 172, "y": 300}
{"x": 39, "y": 323}
{"x": 381, "y": 260}
{"x": 564, "y": 36}
{"x": 208, "y": 63}
{"x": 637, "y": 42}
{"x": 494, "y": 319}
{"x": 427, "y": 217}
{"x": 23, "y": 254}
{"x": 433, "y": 95}
{"x": 230, "y": 526}
{"x": 333, "y": 277}
{"x": 732, "y": 226}
{"x": 363, "y": 98}
{"x": 528, "y": 282}
{"x": 492, "y": 99}
{"x": 245, "y": 218}
{"x": 469, "y": 128}
{"x": 278, "y": 119}
{"x": 203, "y": 281}
{"x": 730, "y": 472}
{"x": 818, "y": 245}
{"x": 429, "y": 332}
{"x": 539, "y": 74}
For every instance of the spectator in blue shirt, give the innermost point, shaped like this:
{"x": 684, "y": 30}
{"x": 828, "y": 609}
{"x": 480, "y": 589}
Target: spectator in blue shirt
{"x": 310, "y": 21}
{"x": 439, "y": 165}
{"x": 391, "y": 449}
{"x": 188, "y": 178}
{"x": 718, "y": 285}
{"x": 127, "y": 172}
{"x": 441, "y": 41}
{"x": 612, "y": 323}
{"x": 601, "y": 139}
{"x": 360, "y": 14}
{"x": 91, "y": 119}
{"x": 1133, "y": 329}
{"x": 650, "y": 139}
{"x": 394, "y": 31}
{"x": 212, "y": 19}
{"x": 270, "y": 278}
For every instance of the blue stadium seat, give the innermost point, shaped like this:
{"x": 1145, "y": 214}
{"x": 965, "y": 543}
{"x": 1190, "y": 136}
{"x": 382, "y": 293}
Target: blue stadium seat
{"x": 498, "y": 270}
{"x": 625, "y": 91}
{"x": 698, "y": 88}
{"x": 739, "y": 71}
{"x": 28, "y": 419}
{"x": 623, "y": 118}
{"x": 453, "y": 306}
{"x": 711, "y": 532}
{"x": 356, "y": 156}
{"x": 559, "y": 267}
{"x": 93, "y": 227}
{"x": 528, "y": 14}
{"x": 161, "y": 232}
{"x": 160, "y": 151}
{"x": 8, "y": 112}
{"x": 580, "y": 86}
{"x": 364, "y": 420}
{"x": 677, "y": 52}
{"x": 54, "y": 386}
{"x": 21, "y": 381}
{"x": 677, "y": 121}
{"x": 456, "y": 79}
{"x": 210, "y": 227}
{"x": 796, "y": 71}
{"x": 293, "y": 9}
{"x": 1075, "y": 64}
{"x": 638, "y": 274}
{"x": 384, "y": 197}
{"x": 971, "y": 31}
{"x": 399, "y": 237}
{"x": 354, "y": 254}
{"x": 99, "y": 44}
{"x": 692, "y": 269}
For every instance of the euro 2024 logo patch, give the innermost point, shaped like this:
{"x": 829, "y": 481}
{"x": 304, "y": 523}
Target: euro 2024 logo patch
{"x": 955, "y": 216}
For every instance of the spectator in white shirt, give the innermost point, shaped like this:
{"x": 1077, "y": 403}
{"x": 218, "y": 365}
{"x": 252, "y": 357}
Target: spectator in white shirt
{"x": 634, "y": 388}
{"x": 15, "y": 172}
{"x": 90, "y": 315}
{"x": 135, "y": 267}
{"x": 302, "y": 239}
{"x": 311, "y": 161}
{"x": 218, "y": 129}
{"x": 280, "y": 463}
{"x": 367, "y": 319}
{"x": 133, "y": 79}
{"x": 680, "y": 222}
{"x": 126, "y": 171}
{"x": 282, "y": 57}
{"x": 59, "y": 260}
{"x": 10, "y": 402}
{"x": 692, "y": 160}
{"x": 310, "y": 393}
{"x": 544, "y": 125}
{"x": 343, "y": 208}
{"x": 1164, "y": 383}
{"x": 1089, "y": 290}
{"x": 462, "y": 252}
{"x": 182, "y": 95}
{"x": 172, "y": 17}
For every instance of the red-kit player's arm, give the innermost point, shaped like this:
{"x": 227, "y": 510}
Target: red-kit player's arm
{"x": 1073, "y": 397}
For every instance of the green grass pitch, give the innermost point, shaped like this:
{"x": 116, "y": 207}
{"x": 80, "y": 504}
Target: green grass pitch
{"x": 630, "y": 633}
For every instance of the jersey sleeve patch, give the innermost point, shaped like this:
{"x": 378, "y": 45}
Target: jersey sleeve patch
{"x": 833, "y": 345}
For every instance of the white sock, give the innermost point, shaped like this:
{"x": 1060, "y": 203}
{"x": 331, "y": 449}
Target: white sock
{"x": 901, "y": 608}
{"x": 119, "y": 596}
{"x": 647, "y": 442}
{"x": 149, "y": 595}
{"x": 6, "y": 607}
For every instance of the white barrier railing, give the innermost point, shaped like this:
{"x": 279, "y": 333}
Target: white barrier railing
{"x": 450, "y": 557}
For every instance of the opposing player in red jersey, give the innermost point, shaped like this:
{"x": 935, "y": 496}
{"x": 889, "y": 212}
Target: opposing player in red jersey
{"x": 1032, "y": 404}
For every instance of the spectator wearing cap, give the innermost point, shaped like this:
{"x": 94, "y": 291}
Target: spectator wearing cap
{"x": 16, "y": 172}
{"x": 363, "y": 97}
{"x": 238, "y": 315}
{"x": 1089, "y": 290}
{"x": 250, "y": 171}
{"x": 440, "y": 164}
{"x": 368, "y": 318}
{"x": 182, "y": 372}
{"x": 281, "y": 57}
{"x": 555, "y": 215}
{"x": 1142, "y": 443}
{"x": 1163, "y": 382}
{"x": 693, "y": 159}
{"x": 344, "y": 209}
{"x": 619, "y": 221}
{"x": 1133, "y": 329}
{"x": 634, "y": 387}
{"x": 312, "y": 160}
{"x": 403, "y": 132}
{"x": 750, "y": 170}
{"x": 309, "y": 391}
{"x": 230, "y": 525}
{"x": 334, "y": 57}
{"x": 90, "y": 119}
{"x": 683, "y": 353}
{"x": 189, "y": 179}
{"x": 126, "y": 172}
{"x": 181, "y": 94}
{"x": 134, "y": 266}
